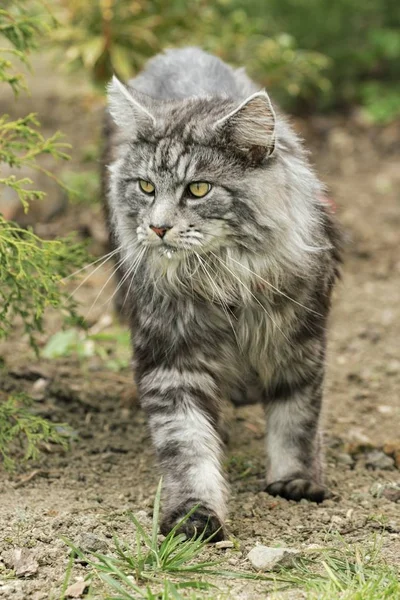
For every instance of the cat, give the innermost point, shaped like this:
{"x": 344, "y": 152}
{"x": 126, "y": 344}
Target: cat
{"x": 227, "y": 260}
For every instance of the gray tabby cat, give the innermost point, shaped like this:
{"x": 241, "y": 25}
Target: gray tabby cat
{"x": 228, "y": 257}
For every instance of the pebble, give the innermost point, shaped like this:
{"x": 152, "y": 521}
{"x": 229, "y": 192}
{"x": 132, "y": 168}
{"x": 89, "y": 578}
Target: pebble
{"x": 392, "y": 494}
{"x": 89, "y": 542}
{"x": 379, "y": 460}
{"x": 390, "y": 491}
{"x": 264, "y": 558}
{"x": 393, "y": 367}
{"x": 324, "y": 517}
{"x": 224, "y": 544}
{"x": 39, "y": 388}
{"x": 24, "y": 562}
{"x": 345, "y": 459}
{"x": 337, "y": 521}
{"x": 143, "y": 518}
{"x": 77, "y": 589}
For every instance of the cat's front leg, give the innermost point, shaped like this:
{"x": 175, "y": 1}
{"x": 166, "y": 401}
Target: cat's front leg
{"x": 293, "y": 438}
{"x": 181, "y": 406}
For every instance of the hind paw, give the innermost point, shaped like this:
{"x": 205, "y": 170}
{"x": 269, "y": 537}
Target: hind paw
{"x": 296, "y": 489}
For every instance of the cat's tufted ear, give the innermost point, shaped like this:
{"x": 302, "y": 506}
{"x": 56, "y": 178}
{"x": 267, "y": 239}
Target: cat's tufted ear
{"x": 126, "y": 108}
{"x": 251, "y": 126}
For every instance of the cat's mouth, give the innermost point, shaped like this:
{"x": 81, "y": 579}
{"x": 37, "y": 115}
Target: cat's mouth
{"x": 169, "y": 250}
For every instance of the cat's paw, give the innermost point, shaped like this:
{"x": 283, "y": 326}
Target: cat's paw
{"x": 201, "y": 521}
{"x": 296, "y": 489}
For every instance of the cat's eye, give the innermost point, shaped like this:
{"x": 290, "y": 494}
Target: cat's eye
{"x": 146, "y": 186}
{"x": 199, "y": 189}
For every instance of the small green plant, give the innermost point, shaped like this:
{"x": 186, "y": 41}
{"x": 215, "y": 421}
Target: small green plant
{"x": 359, "y": 41}
{"x": 22, "y": 430}
{"x": 119, "y": 36}
{"x": 31, "y": 269}
{"x": 112, "y": 346}
{"x": 348, "y": 572}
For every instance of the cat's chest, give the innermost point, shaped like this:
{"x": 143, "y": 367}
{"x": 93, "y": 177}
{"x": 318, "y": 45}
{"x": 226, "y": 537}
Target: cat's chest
{"x": 264, "y": 332}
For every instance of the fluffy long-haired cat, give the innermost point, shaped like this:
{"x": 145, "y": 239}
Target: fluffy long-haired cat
{"x": 227, "y": 259}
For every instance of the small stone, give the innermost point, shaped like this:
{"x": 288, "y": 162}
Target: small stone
{"x": 89, "y": 542}
{"x": 393, "y": 367}
{"x": 391, "y": 448}
{"x": 378, "y": 460}
{"x": 24, "y": 562}
{"x": 143, "y": 518}
{"x": 316, "y": 547}
{"x": 384, "y": 409}
{"x": 77, "y": 589}
{"x": 324, "y": 517}
{"x": 392, "y": 493}
{"x": 264, "y": 558}
{"x": 337, "y": 521}
{"x": 344, "y": 458}
{"x": 39, "y": 388}
{"x": 358, "y": 440}
{"x": 224, "y": 544}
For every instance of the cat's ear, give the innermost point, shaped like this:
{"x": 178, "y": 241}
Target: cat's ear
{"x": 126, "y": 108}
{"x": 251, "y": 126}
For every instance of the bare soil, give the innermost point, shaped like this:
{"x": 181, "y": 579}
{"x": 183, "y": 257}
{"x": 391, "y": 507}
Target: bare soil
{"x": 85, "y": 493}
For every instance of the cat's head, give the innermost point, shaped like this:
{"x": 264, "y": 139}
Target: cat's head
{"x": 186, "y": 179}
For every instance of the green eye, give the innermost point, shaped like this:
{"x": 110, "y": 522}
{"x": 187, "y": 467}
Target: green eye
{"x": 146, "y": 186}
{"x": 198, "y": 189}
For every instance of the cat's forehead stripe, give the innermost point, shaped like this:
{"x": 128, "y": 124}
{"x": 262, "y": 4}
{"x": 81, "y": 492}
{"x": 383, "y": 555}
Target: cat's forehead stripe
{"x": 171, "y": 155}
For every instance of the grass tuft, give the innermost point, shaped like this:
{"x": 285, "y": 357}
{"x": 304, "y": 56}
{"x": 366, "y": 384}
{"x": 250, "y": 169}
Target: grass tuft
{"x": 347, "y": 572}
{"x": 172, "y": 569}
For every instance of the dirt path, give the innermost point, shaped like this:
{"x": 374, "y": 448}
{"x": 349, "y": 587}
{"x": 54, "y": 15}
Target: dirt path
{"x": 84, "y": 494}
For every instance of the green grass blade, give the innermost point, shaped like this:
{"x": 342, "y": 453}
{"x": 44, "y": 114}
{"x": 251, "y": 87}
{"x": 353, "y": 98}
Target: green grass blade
{"x": 113, "y": 584}
{"x": 142, "y": 531}
{"x": 195, "y": 585}
{"x": 332, "y": 575}
{"x": 67, "y": 574}
{"x": 156, "y": 517}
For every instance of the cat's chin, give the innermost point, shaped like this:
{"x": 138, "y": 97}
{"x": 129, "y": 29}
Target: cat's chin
{"x": 170, "y": 253}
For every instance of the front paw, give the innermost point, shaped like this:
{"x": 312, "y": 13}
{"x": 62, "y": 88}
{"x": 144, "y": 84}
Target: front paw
{"x": 296, "y": 489}
{"x": 202, "y": 521}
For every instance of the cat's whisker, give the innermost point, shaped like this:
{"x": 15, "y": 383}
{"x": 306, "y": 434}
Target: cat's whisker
{"x": 114, "y": 271}
{"x": 129, "y": 271}
{"x": 103, "y": 259}
{"x": 253, "y": 296}
{"x": 275, "y": 288}
{"x": 224, "y": 305}
{"x": 143, "y": 252}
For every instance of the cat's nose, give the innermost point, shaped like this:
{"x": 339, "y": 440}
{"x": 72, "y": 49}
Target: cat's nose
{"x": 160, "y": 231}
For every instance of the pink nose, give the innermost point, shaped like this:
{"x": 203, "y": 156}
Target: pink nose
{"x": 160, "y": 231}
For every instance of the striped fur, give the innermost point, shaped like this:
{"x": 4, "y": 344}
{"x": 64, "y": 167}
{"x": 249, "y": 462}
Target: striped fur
{"x": 236, "y": 295}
